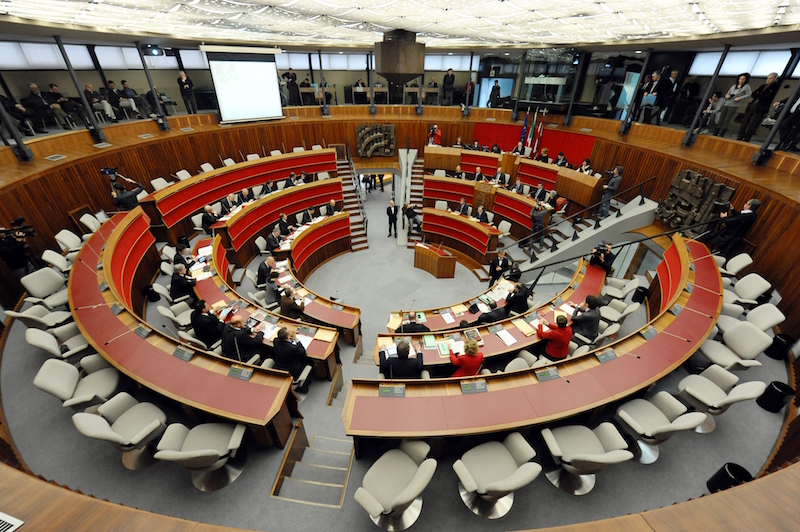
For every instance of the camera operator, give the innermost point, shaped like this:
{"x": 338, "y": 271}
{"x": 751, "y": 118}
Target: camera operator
{"x": 434, "y": 136}
{"x": 603, "y": 257}
{"x": 734, "y": 227}
{"x": 124, "y": 200}
{"x": 14, "y": 249}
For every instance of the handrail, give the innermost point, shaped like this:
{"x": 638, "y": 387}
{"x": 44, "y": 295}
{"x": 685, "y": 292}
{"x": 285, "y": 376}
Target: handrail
{"x": 576, "y": 216}
{"x": 620, "y": 246}
{"x": 356, "y": 185}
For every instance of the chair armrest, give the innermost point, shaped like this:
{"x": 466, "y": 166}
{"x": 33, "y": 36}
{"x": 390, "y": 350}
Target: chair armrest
{"x": 254, "y": 359}
{"x": 417, "y": 450}
{"x": 237, "y": 436}
{"x": 154, "y": 426}
{"x": 687, "y": 421}
{"x": 519, "y": 448}
{"x": 33, "y": 300}
{"x": 465, "y": 476}
{"x": 368, "y": 502}
{"x": 744, "y": 392}
{"x": 638, "y": 429}
{"x": 552, "y": 444}
{"x": 616, "y": 283}
{"x": 700, "y": 397}
{"x": 417, "y": 485}
{"x": 520, "y": 478}
{"x": 86, "y": 400}
{"x": 173, "y": 437}
{"x": 94, "y": 426}
{"x": 588, "y": 461}
{"x": 610, "y": 437}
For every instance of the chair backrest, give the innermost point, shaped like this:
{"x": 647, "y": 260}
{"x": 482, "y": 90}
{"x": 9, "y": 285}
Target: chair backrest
{"x": 252, "y": 157}
{"x": 490, "y": 216}
{"x": 167, "y": 313}
{"x": 580, "y": 351}
{"x": 166, "y": 269}
{"x": 526, "y": 189}
{"x": 764, "y": 316}
{"x": 31, "y": 321}
{"x": 298, "y": 149}
{"x": 261, "y": 243}
{"x": 630, "y": 309}
{"x": 168, "y": 251}
{"x": 610, "y": 330}
{"x": 738, "y": 263}
{"x": 162, "y": 291}
{"x": 142, "y": 195}
{"x": 528, "y": 151}
{"x": 299, "y": 218}
{"x": 189, "y": 339}
{"x": 441, "y": 205}
{"x": 504, "y": 226}
{"x": 257, "y": 190}
{"x": 280, "y": 185}
{"x": 316, "y": 147}
{"x": 206, "y": 167}
{"x": 197, "y": 220}
{"x": 43, "y": 340}
{"x": 724, "y": 379}
{"x": 516, "y": 365}
{"x": 417, "y": 485}
{"x": 183, "y": 175}
{"x": 90, "y": 222}
{"x": 630, "y": 286}
{"x": 276, "y": 152}
{"x": 217, "y": 207}
{"x": 469, "y": 210}
{"x": 43, "y": 283}
{"x": 258, "y": 297}
{"x": 228, "y": 162}
{"x": 250, "y": 274}
{"x": 322, "y": 176}
{"x": 54, "y": 259}
{"x": 439, "y": 173}
{"x": 101, "y": 216}
{"x": 159, "y": 183}
{"x": 751, "y": 286}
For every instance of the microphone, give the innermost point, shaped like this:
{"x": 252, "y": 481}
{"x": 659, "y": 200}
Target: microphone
{"x": 698, "y": 312}
{"x": 94, "y": 270}
{"x": 107, "y": 303}
{"x": 119, "y": 336}
{"x": 675, "y": 336}
{"x": 241, "y": 155}
{"x": 172, "y": 334}
{"x": 220, "y": 160}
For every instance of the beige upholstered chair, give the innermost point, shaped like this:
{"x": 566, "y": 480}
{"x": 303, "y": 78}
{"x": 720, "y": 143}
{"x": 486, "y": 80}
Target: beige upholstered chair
{"x": 747, "y": 290}
{"x": 743, "y": 343}
{"x": 619, "y": 288}
{"x": 91, "y": 223}
{"x": 63, "y": 380}
{"x": 212, "y": 452}
{"x": 490, "y": 473}
{"x": 206, "y": 167}
{"x": 581, "y": 453}
{"x": 228, "y": 162}
{"x": 57, "y": 261}
{"x": 714, "y": 391}
{"x": 127, "y": 424}
{"x": 617, "y": 310}
{"x": 735, "y": 264}
{"x": 253, "y": 157}
{"x": 72, "y": 341}
{"x": 654, "y": 421}
{"x": 38, "y": 317}
{"x": 183, "y": 175}
{"x": 47, "y": 287}
{"x": 391, "y": 489}
{"x": 159, "y": 183}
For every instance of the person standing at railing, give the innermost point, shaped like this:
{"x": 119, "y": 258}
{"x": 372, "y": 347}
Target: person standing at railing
{"x": 738, "y": 92}
{"x": 609, "y": 189}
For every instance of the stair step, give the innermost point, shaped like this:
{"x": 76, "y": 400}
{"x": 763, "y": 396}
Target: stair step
{"x": 344, "y": 445}
{"x": 304, "y": 490}
{"x": 326, "y": 458}
{"x": 327, "y": 475}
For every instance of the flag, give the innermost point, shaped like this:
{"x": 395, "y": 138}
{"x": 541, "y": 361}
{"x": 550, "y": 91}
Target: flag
{"x": 529, "y": 140}
{"x": 524, "y": 135}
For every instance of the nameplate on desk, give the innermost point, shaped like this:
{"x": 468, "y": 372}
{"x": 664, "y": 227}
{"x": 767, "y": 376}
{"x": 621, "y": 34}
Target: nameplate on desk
{"x": 146, "y": 136}
{"x": 392, "y": 390}
{"x": 606, "y": 356}
{"x": 183, "y": 353}
{"x": 187, "y": 129}
{"x": 691, "y": 266}
{"x": 238, "y": 372}
{"x": 337, "y": 307}
{"x": 223, "y": 287}
{"x": 103, "y": 286}
{"x": 99, "y": 266}
{"x": 491, "y": 119}
{"x": 142, "y": 331}
{"x": 271, "y": 318}
{"x": 294, "y": 118}
{"x": 676, "y": 309}
{"x": 101, "y": 145}
{"x": 493, "y": 329}
{"x": 547, "y": 374}
{"x": 649, "y": 333}
{"x": 241, "y": 303}
{"x": 306, "y": 330}
{"x": 312, "y": 297}
{"x": 558, "y": 302}
{"x": 689, "y": 287}
{"x": 477, "y": 386}
{"x": 55, "y": 157}
{"x": 116, "y": 309}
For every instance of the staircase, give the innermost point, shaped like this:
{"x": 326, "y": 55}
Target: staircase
{"x": 315, "y": 473}
{"x": 417, "y": 180}
{"x": 358, "y": 230}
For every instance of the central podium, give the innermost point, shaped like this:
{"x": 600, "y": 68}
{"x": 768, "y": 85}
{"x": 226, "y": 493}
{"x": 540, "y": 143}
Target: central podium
{"x": 438, "y": 262}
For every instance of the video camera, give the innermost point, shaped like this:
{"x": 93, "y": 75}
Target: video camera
{"x": 721, "y": 206}
{"x": 18, "y": 229}
{"x": 111, "y": 172}
{"x": 609, "y": 172}
{"x": 600, "y": 248}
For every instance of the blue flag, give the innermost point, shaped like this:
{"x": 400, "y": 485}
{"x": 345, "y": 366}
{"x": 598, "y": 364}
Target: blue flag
{"x": 525, "y": 126}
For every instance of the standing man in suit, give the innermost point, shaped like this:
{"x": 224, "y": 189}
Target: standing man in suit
{"x": 538, "y": 213}
{"x": 497, "y": 267}
{"x": 448, "y": 86}
{"x": 330, "y": 208}
{"x": 735, "y": 227}
{"x": 209, "y": 218}
{"x": 284, "y": 226}
{"x": 240, "y": 343}
{"x": 517, "y": 300}
{"x": 404, "y": 366}
{"x": 290, "y": 355}
{"x": 228, "y": 203}
{"x": 182, "y": 283}
{"x": 478, "y": 173}
{"x": 391, "y": 212}
{"x": 609, "y": 189}
{"x": 291, "y": 85}
{"x": 494, "y": 96}
{"x": 206, "y": 324}
{"x": 274, "y": 238}
{"x": 185, "y": 85}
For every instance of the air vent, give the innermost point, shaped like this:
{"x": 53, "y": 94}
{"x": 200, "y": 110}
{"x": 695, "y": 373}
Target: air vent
{"x": 8, "y": 523}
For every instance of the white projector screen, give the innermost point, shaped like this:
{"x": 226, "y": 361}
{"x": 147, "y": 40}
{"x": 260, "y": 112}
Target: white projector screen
{"x": 246, "y": 85}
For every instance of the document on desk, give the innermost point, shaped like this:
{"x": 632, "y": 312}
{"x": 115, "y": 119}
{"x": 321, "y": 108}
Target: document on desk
{"x": 459, "y": 309}
{"x": 444, "y": 348}
{"x": 286, "y": 279}
{"x": 325, "y": 335}
{"x": 421, "y": 318}
{"x": 523, "y": 327}
{"x": 429, "y": 341}
{"x": 569, "y": 309}
{"x": 506, "y": 337}
{"x": 448, "y": 317}
{"x": 205, "y": 251}
{"x": 305, "y": 340}
{"x": 483, "y": 307}
{"x": 394, "y": 322}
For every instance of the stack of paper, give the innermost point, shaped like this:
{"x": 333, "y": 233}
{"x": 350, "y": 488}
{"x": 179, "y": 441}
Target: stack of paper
{"x": 459, "y": 309}
{"x": 457, "y": 347}
{"x": 448, "y": 318}
{"x": 523, "y": 327}
{"x": 394, "y": 322}
{"x": 270, "y": 330}
{"x": 444, "y": 348}
{"x": 205, "y": 251}
{"x": 429, "y": 341}
{"x": 196, "y": 266}
{"x": 570, "y": 310}
{"x": 286, "y": 279}
{"x": 506, "y": 337}
{"x": 325, "y": 335}
{"x": 202, "y": 276}
{"x": 483, "y": 307}
{"x": 305, "y": 340}
{"x": 307, "y": 301}
{"x": 282, "y": 265}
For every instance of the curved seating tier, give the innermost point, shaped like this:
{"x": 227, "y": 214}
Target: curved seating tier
{"x": 486, "y": 160}
{"x": 531, "y": 172}
{"x": 263, "y": 402}
{"x": 476, "y": 239}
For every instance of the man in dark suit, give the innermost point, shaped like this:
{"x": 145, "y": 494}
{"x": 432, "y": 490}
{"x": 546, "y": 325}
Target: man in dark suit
{"x": 126, "y": 200}
{"x": 264, "y": 270}
{"x": 412, "y": 326}
{"x": 183, "y": 255}
{"x": 517, "y": 299}
{"x": 98, "y": 102}
{"x": 207, "y": 326}
{"x": 519, "y": 187}
{"x": 289, "y": 306}
{"x": 290, "y": 181}
{"x": 735, "y": 227}
{"x": 539, "y": 193}
{"x": 498, "y": 265}
{"x": 244, "y": 196}
{"x": 267, "y": 188}
{"x": 290, "y": 355}
{"x": 274, "y": 238}
{"x": 391, "y": 212}
{"x": 402, "y": 367}
{"x": 42, "y": 108}
{"x": 586, "y": 319}
{"x": 118, "y": 100}
{"x": 481, "y": 215}
{"x": 478, "y": 174}
{"x": 499, "y": 177}
{"x": 308, "y": 216}
{"x": 162, "y": 101}
{"x": 182, "y": 283}
{"x": 462, "y": 208}
{"x": 603, "y": 256}
{"x": 284, "y": 225}
{"x": 228, "y": 204}
{"x": 241, "y": 344}
{"x": 495, "y": 314}
{"x": 209, "y": 218}
{"x": 330, "y": 208}
{"x": 519, "y": 149}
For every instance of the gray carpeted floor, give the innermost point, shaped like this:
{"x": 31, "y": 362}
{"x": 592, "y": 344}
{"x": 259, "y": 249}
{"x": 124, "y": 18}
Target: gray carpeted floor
{"x": 377, "y": 280}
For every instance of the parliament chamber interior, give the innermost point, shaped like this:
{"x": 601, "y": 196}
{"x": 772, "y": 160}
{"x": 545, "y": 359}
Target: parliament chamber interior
{"x": 583, "y": 317}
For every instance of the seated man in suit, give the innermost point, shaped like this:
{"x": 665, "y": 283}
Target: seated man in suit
{"x": 183, "y": 255}
{"x": 586, "y": 318}
{"x": 118, "y": 100}
{"x": 240, "y": 343}
{"x": 162, "y": 101}
{"x": 228, "y": 204}
{"x": 462, "y": 208}
{"x": 493, "y": 315}
{"x": 289, "y": 306}
{"x": 412, "y": 326}
{"x": 517, "y": 299}
{"x": 245, "y": 196}
{"x": 290, "y": 181}
{"x": 308, "y": 216}
{"x": 207, "y": 326}
{"x": 267, "y": 189}
{"x": 43, "y": 108}
{"x": 497, "y": 267}
{"x": 518, "y": 187}
{"x": 459, "y": 174}
{"x": 539, "y": 193}
{"x": 284, "y": 226}
{"x": 561, "y": 160}
{"x": 274, "y": 238}
{"x": 182, "y": 283}
{"x": 404, "y": 366}
{"x": 290, "y": 355}
{"x": 519, "y": 149}
{"x": 264, "y": 270}
{"x": 481, "y": 215}
{"x": 302, "y": 179}
{"x": 98, "y": 102}
{"x": 478, "y": 174}
{"x": 330, "y": 208}
{"x": 209, "y": 218}
{"x": 499, "y": 177}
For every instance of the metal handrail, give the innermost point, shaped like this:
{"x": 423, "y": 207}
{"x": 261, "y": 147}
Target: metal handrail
{"x": 357, "y": 186}
{"x": 575, "y": 217}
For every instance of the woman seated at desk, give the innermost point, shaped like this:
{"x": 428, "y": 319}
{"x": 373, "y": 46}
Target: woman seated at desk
{"x": 470, "y": 362}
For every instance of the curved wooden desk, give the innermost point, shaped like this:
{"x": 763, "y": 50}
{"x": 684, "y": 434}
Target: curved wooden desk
{"x": 473, "y": 238}
{"x": 263, "y": 403}
{"x": 319, "y": 243}
{"x": 169, "y": 209}
{"x": 437, "y": 408}
{"x": 438, "y": 262}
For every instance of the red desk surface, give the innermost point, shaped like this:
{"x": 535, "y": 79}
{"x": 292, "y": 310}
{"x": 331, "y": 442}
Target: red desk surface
{"x": 487, "y": 409}
{"x": 578, "y": 391}
{"x": 395, "y": 413}
{"x": 327, "y": 314}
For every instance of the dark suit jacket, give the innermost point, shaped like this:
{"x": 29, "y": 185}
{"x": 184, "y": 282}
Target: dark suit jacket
{"x": 93, "y": 96}
{"x": 208, "y": 220}
{"x": 461, "y": 209}
{"x": 241, "y": 199}
{"x": 272, "y": 242}
{"x": 501, "y": 178}
{"x": 237, "y": 344}
{"x": 518, "y": 301}
{"x": 289, "y": 356}
{"x": 663, "y": 90}
{"x": 401, "y": 368}
{"x": 482, "y": 217}
{"x": 181, "y": 286}
{"x": 114, "y": 97}
{"x": 263, "y": 273}
{"x": 228, "y": 206}
{"x": 493, "y": 273}
{"x": 284, "y": 225}
{"x": 479, "y": 176}
{"x": 267, "y": 189}
{"x": 180, "y": 259}
{"x": 493, "y": 316}
{"x": 539, "y": 194}
{"x": 126, "y": 201}
{"x": 738, "y": 224}
{"x": 391, "y": 212}
{"x": 307, "y": 217}
{"x": 290, "y": 309}
{"x": 412, "y": 327}
{"x": 288, "y": 183}
{"x": 586, "y": 323}
{"x": 329, "y": 211}
{"x": 207, "y": 328}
